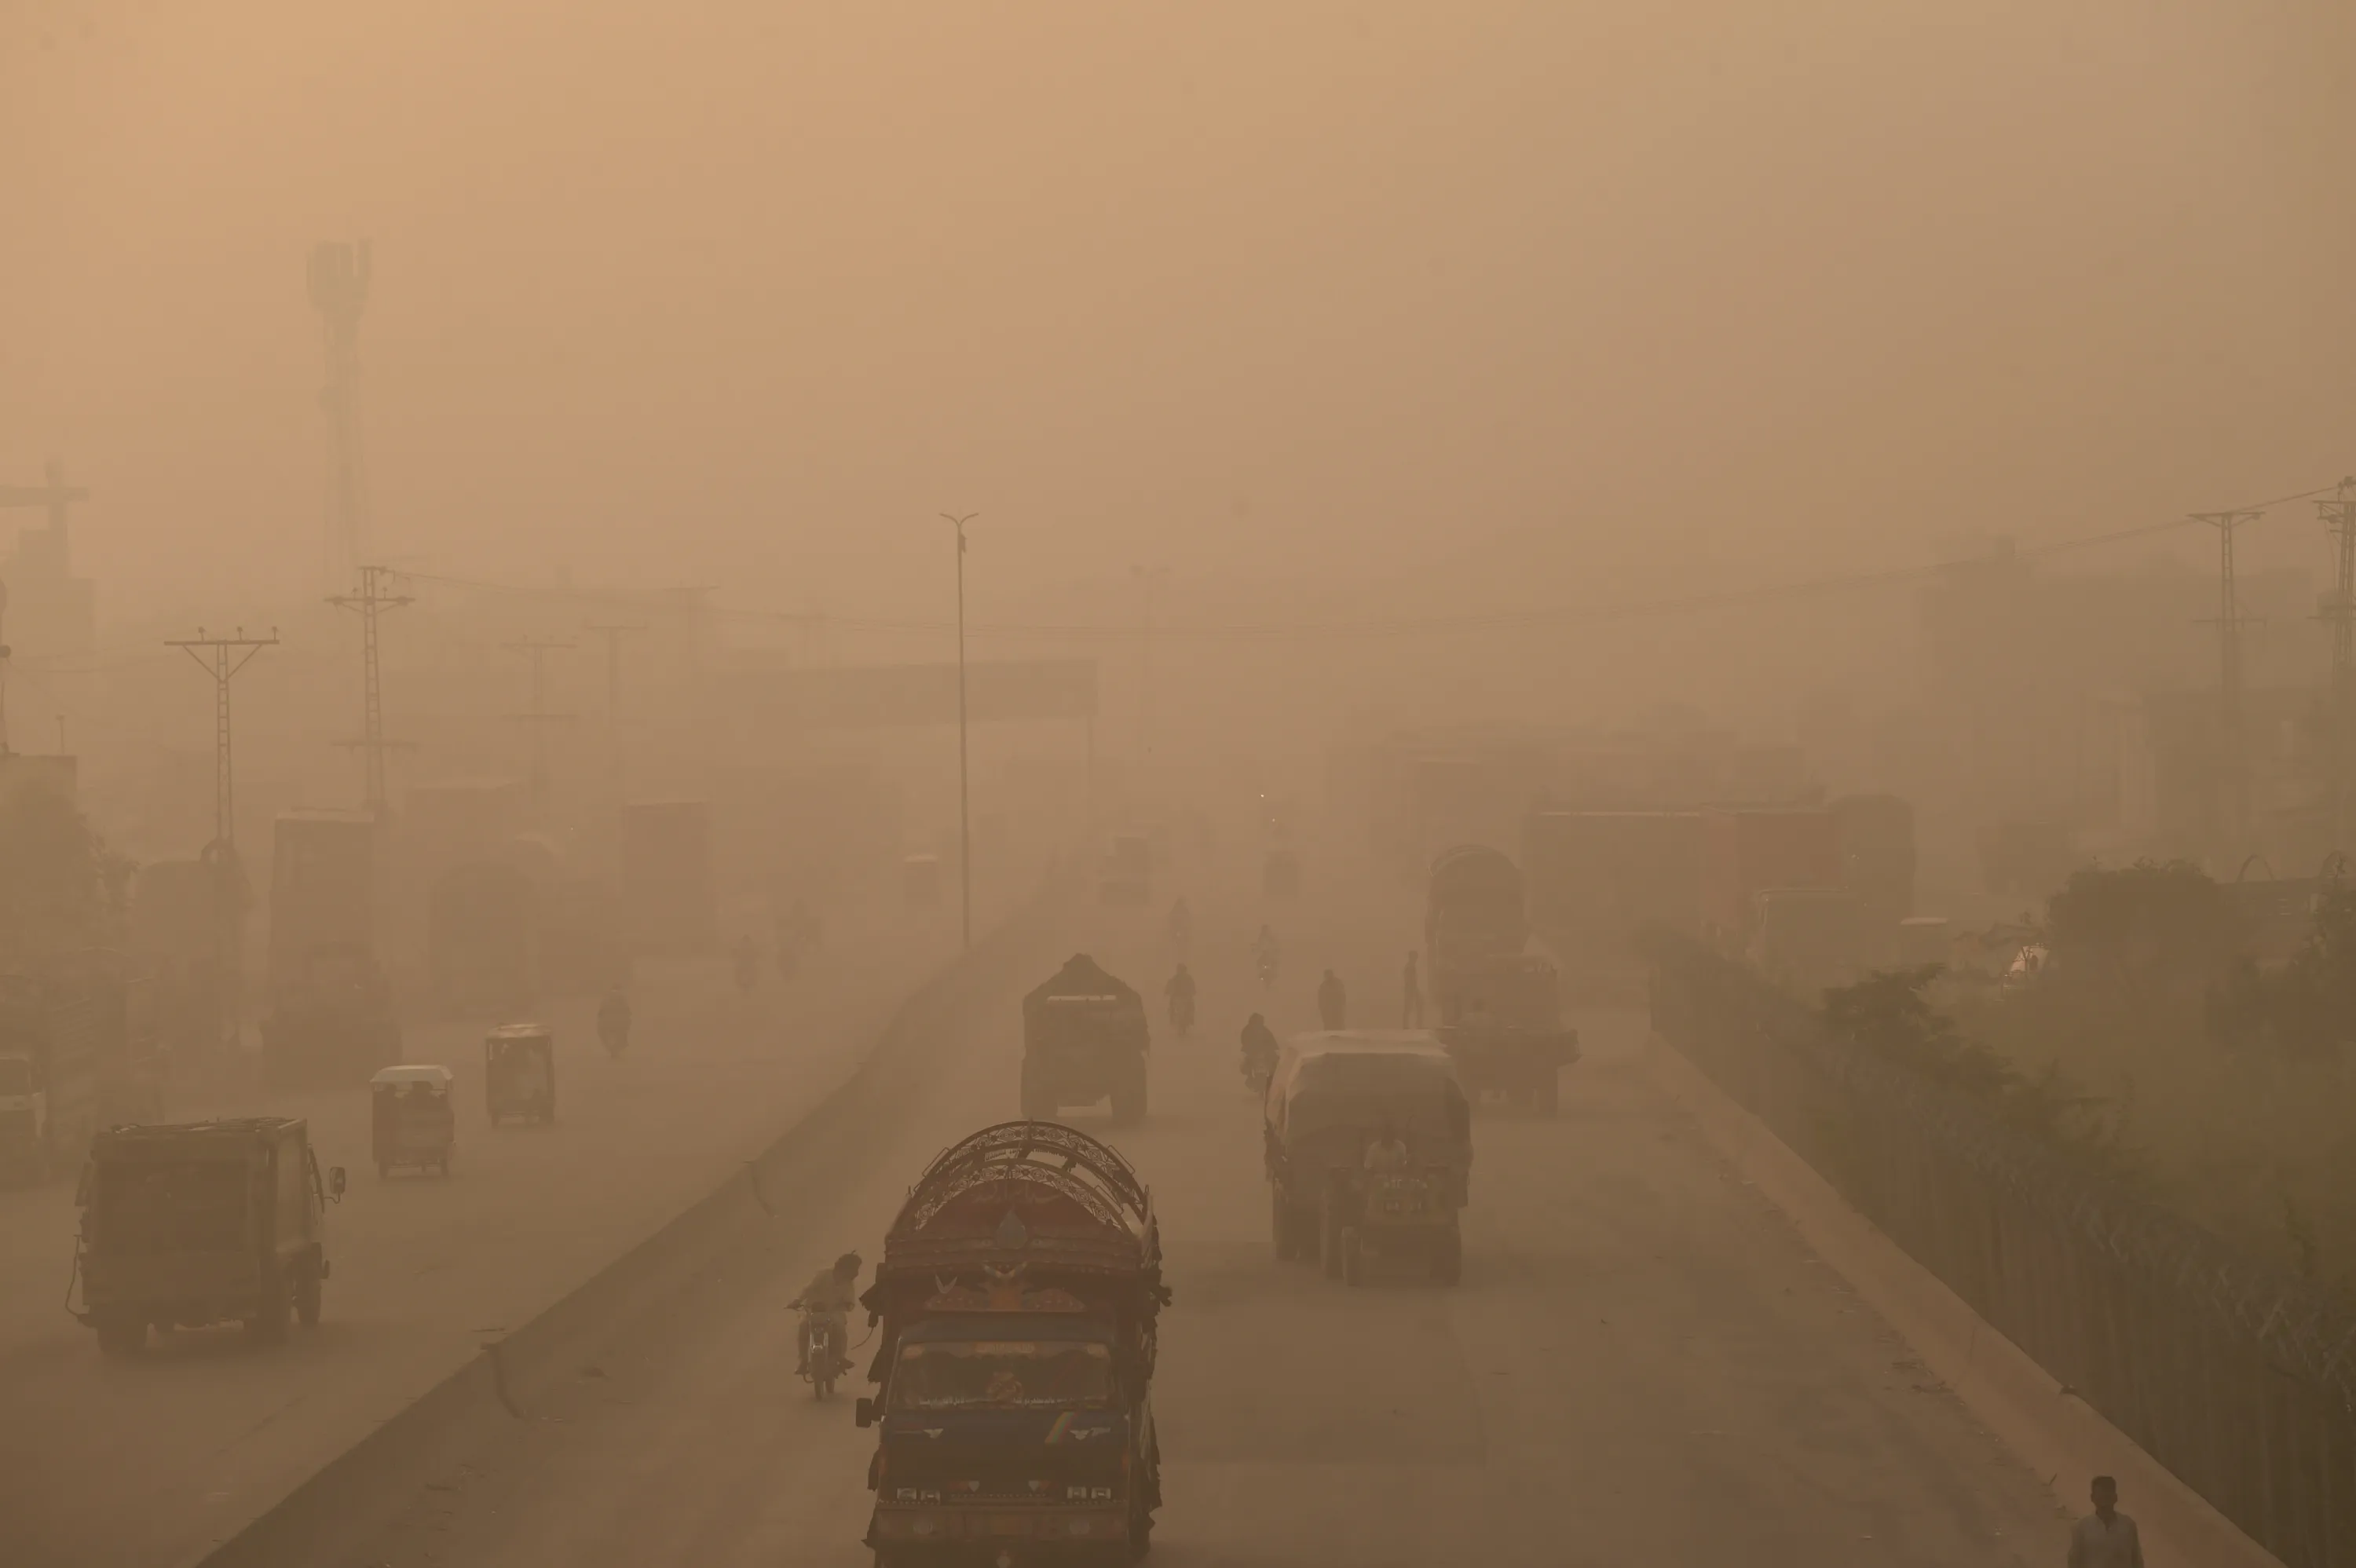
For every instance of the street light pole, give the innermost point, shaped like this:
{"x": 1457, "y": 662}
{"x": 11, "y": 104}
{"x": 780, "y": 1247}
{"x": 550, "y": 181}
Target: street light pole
{"x": 965, "y": 817}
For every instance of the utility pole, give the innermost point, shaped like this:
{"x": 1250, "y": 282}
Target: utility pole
{"x": 374, "y": 595}
{"x": 965, "y": 816}
{"x": 537, "y": 719}
{"x": 4, "y": 677}
{"x": 613, "y": 632}
{"x": 222, "y": 659}
{"x": 1149, "y": 579}
{"x": 339, "y": 291}
{"x": 2339, "y": 521}
{"x": 2232, "y": 748}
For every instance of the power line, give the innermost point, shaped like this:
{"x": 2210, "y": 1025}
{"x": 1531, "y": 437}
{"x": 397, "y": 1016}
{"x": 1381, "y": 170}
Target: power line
{"x": 222, "y": 659}
{"x": 537, "y": 719}
{"x": 372, "y": 598}
{"x": 1593, "y": 614}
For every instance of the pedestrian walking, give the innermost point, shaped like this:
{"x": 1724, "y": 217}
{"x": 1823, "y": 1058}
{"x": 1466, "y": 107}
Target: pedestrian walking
{"x": 1410, "y": 995}
{"x": 1332, "y": 1002}
{"x": 2106, "y": 1538}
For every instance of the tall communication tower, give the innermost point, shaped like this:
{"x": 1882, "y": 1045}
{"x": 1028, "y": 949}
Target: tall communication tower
{"x": 2339, "y": 520}
{"x": 339, "y": 291}
{"x": 374, "y": 595}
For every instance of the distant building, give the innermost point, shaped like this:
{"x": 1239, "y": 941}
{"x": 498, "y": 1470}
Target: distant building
{"x": 51, "y": 614}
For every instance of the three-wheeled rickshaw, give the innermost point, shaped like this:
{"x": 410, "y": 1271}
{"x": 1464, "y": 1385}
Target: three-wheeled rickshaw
{"x": 1333, "y": 1097}
{"x": 410, "y": 1120}
{"x": 519, "y": 1073}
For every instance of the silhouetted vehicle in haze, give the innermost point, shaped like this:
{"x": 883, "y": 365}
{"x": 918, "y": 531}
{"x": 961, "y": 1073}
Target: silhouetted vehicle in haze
{"x": 332, "y": 1021}
{"x": 1017, "y": 1300}
{"x": 1499, "y": 1005}
{"x": 411, "y": 1123}
{"x": 519, "y": 1073}
{"x": 78, "y": 1052}
{"x": 1331, "y": 1096}
{"x": 1084, "y": 1039}
{"x": 188, "y": 1226}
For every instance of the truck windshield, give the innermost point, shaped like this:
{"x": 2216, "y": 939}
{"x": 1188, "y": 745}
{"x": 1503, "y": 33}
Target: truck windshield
{"x": 1001, "y": 1374}
{"x": 197, "y": 1207}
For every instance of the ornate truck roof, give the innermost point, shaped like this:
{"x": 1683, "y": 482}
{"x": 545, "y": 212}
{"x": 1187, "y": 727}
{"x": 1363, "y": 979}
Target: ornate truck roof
{"x": 1031, "y": 1193}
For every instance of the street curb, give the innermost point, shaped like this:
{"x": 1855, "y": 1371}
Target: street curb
{"x": 355, "y": 1492}
{"x": 2058, "y": 1434}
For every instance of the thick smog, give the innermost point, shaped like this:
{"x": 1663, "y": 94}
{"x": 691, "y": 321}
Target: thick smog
{"x": 1340, "y": 783}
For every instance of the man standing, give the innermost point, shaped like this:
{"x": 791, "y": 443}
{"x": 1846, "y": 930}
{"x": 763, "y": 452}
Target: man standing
{"x": 2106, "y": 1538}
{"x": 1332, "y": 1002}
{"x": 1410, "y": 995}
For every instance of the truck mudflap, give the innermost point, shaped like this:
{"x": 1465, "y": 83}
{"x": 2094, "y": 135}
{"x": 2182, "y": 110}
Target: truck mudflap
{"x": 942, "y": 1522}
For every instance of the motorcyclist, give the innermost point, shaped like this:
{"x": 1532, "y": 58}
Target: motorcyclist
{"x": 1181, "y": 992}
{"x": 1388, "y": 1151}
{"x": 748, "y": 964}
{"x": 827, "y": 1301}
{"x": 614, "y": 1017}
{"x": 1259, "y": 1046}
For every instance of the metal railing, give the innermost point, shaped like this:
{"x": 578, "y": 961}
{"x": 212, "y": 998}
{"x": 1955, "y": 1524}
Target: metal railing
{"x": 2238, "y": 1376}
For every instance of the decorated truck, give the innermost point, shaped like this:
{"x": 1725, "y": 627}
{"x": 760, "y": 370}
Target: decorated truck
{"x": 1016, "y": 1307}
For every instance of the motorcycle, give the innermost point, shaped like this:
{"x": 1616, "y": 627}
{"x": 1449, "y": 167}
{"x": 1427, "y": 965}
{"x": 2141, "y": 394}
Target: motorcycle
{"x": 614, "y": 1032}
{"x": 1257, "y": 1070}
{"x": 824, "y": 1360}
{"x": 1181, "y": 1014}
{"x": 1265, "y": 963}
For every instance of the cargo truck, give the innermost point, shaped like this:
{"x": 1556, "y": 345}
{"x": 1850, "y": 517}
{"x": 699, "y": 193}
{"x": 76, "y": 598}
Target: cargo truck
{"x": 1499, "y": 1005}
{"x": 1017, "y": 1308}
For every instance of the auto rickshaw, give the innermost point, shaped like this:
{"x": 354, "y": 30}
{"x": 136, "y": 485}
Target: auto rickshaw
{"x": 519, "y": 1073}
{"x": 410, "y": 1120}
{"x": 1332, "y": 1095}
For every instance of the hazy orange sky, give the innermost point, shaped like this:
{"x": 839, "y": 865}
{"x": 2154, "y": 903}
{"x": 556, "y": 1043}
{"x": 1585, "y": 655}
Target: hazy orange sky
{"x": 1516, "y": 299}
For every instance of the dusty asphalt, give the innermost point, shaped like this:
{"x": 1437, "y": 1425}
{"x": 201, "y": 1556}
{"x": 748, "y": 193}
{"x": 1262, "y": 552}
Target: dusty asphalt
{"x": 1644, "y": 1366}
{"x": 106, "y": 1465}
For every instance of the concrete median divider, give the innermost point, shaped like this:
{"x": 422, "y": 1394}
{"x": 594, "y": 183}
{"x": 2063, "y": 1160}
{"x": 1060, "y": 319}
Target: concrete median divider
{"x": 317, "y": 1524}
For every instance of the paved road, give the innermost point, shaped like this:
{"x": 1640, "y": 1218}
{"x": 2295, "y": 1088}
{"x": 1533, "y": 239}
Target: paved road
{"x": 1643, "y": 1365}
{"x": 141, "y": 1465}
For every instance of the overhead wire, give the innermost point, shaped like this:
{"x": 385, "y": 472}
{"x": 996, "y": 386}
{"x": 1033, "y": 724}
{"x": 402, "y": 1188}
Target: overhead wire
{"x": 1593, "y": 614}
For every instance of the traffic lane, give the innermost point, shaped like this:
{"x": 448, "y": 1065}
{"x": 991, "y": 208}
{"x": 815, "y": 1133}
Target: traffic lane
{"x": 690, "y": 1440}
{"x": 203, "y": 1432}
{"x": 1643, "y": 1364}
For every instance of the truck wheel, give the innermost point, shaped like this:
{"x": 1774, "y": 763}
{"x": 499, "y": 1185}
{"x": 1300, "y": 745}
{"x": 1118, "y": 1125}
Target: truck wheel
{"x": 268, "y": 1324}
{"x": 122, "y": 1338}
{"x": 306, "y": 1295}
{"x": 1352, "y": 1248}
